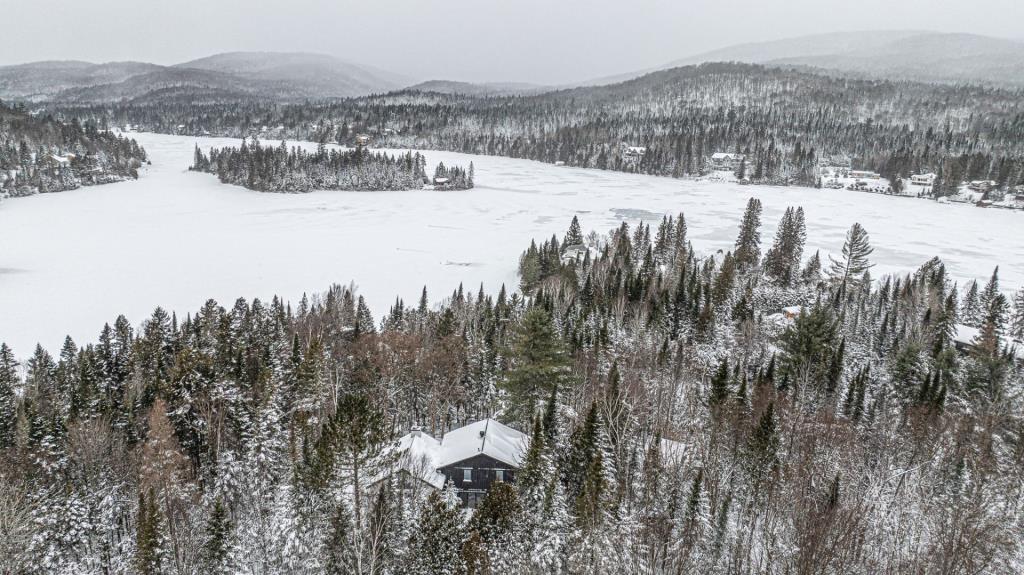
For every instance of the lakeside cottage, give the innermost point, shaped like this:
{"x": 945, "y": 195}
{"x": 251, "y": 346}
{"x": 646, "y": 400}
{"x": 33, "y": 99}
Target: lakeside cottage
{"x": 471, "y": 458}
{"x": 965, "y": 338}
{"x": 922, "y": 179}
{"x": 633, "y": 155}
{"x": 726, "y": 161}
{"x": 574, "y": 253}
{"x": 981, "y": 185}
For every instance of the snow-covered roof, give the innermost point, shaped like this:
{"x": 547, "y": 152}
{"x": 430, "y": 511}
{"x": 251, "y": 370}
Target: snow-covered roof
{"x": 486, "y": 437}
{"x": 792, "y": 310}
{"x": 965, "y": 334}
{"x": 726, "y": 156}
{"x": 420, "y": 455}
{"x": 417, "y": 454}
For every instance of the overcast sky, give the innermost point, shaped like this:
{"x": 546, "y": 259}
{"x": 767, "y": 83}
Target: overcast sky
{"x": 542, "y": 41}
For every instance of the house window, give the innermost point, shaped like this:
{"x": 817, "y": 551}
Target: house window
{"x": 467, "y": 475}
{"x": 499, "y": 474}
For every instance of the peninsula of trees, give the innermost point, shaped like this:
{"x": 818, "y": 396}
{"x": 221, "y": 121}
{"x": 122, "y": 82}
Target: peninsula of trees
{"x": 39, "y": 154}
{"x": 294, "y": 170}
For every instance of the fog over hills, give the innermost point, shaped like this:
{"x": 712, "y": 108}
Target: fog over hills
{"x": 913, "y": 55}
{"x": 904, "y": 54}
{"x": 43, "y": 80}
{"x": 898, "y": 54}
{"x": 317, "y": 74}
{"x": 237, "y": 74}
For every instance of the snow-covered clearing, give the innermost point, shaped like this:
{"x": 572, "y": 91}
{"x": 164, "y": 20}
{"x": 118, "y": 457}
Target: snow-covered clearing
{"x": 71, "y": 261}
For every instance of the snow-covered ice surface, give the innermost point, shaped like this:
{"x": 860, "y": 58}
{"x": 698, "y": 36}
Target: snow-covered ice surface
{"x": 71, "y": 261}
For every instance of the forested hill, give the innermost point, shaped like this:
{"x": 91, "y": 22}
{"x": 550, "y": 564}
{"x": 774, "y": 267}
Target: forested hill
{"x": 784, "y": 121}
{"x": 39, "y": 154}
{"x": 761, "y": 411}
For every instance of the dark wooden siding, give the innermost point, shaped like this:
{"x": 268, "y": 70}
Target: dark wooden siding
{"x": 483, "y": 472}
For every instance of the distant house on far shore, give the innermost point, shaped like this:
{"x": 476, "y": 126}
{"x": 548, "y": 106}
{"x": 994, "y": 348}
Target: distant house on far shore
{"x": 59, "y": 163}
{"x": 922, "y": 179}
{"x": 634, "y": 153}
{"x": 981, "y": 185}
{"x": 725, "y": 161}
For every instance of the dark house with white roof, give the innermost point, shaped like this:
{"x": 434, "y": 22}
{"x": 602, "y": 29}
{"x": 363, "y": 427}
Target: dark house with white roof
{"x": 471, "y": 458}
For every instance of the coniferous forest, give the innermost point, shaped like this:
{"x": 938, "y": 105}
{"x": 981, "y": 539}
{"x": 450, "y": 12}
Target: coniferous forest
{"x": 757, "y": 411}
{"x": 786, "y": 122}
{"x": 39, "y": 154}
{"x": 280, "y": 169}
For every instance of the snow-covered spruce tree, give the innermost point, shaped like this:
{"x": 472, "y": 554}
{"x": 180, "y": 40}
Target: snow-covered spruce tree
{"x": 9, "y": 383}
{"x": 783, "y": 259}
{"x": 436, "y": 546}
{"x": 748, "y": 243}
{"x": 150, "y": 538}
{"x": 218, "y": 550}
{"x": 500, "y": 522}
{"x": 846, "y": 273}
{"x": 810, "y": 348}
{"x": 538, "y": 364}
{"x": 574, "y": 237}
{"x": 1017, "y": 323}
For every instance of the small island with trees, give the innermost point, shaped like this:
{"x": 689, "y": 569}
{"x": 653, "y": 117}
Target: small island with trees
{"x": 295, "y": 170}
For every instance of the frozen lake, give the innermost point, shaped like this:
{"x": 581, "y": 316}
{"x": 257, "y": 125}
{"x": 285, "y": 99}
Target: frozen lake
{"x": 71, "y": 261}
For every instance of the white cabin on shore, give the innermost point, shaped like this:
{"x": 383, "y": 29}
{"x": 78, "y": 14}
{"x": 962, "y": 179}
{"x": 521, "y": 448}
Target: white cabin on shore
{"x": 922, "y": 179}
{"x": 726, "y": 161}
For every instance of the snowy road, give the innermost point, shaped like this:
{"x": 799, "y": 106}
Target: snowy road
{"x": 71, "y": 261}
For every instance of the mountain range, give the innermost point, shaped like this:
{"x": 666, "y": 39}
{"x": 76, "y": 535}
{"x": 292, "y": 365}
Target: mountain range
{"x": 899, "y": 54}
{"x": 906, "y": 54}
{"x": 236, "y": 74}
